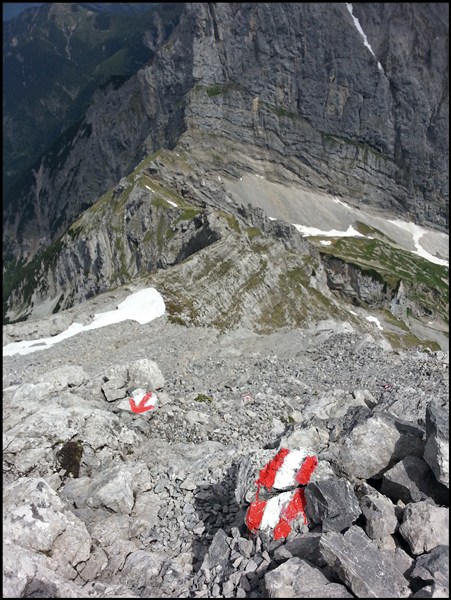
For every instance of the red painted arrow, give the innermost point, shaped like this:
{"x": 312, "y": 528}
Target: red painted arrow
{"x": 141, "y": 406}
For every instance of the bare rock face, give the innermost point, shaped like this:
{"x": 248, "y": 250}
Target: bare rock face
{"x": 294, "y": 81}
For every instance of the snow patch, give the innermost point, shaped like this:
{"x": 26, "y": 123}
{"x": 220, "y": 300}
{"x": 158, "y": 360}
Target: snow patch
{"x": 417, "y": 233}
{"x": 143, "y": 306}
{"x": 376, "y": 321}
{"x": 362, "y": 33}
{"x": 307, "y": 231}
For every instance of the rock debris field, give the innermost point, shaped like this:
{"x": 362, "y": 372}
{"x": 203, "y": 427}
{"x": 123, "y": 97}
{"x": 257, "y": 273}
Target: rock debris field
{"x": 102, "y": 502}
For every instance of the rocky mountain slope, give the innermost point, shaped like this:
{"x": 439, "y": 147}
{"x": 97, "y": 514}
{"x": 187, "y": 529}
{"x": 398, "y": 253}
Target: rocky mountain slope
{"x": 102, "y": 502}
{"x": 295, "y": 80}
{"x": 175, "y": 222}
{"x": 218, "y": 174}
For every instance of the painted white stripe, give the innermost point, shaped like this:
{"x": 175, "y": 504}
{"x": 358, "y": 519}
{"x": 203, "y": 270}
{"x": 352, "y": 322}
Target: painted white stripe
{"x": 274, "y": 507}
{"x": 287, "y": 471}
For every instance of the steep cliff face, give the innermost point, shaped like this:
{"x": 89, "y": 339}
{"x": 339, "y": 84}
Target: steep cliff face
{"x": 94, "y": 153}
{"x": 296, "y": 85}
{"x": 54, "y": 58}
{"x": 298, "y": 79}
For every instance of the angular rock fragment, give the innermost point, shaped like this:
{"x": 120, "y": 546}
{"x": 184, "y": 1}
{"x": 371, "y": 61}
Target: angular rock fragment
{"x": 433, "y": 567}
{"x": 425, "y": 526}
{"x": 297, "y": 578}
{"x": 356, "y": 561}
{"x": 380, "y": 516}
{"x": 370, "y": 447}
{"x": 436, "y": 452}
{"x": 331, "y": 503}
{"x": 146, "y": 374}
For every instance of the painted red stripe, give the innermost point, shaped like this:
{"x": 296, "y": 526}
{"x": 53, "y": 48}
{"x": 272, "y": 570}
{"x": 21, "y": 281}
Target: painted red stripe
{"x": 306, "y": 470}
{"x": 268, "y": 474}
{"x": 254, "y": 515}
{"x": 295, "y": 508}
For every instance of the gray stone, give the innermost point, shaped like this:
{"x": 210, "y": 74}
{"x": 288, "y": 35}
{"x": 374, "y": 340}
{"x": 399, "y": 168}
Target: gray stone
{"x": 114, "y": 389}
{"x": 380, "y": 516}
{"x": 296, "y": 578}
{"x": 331, "y": 503}
{"x": 411, "y": 480}
{"x": 436, "y": 452}
{"x": 358, "y": 564}
{"x": 113, "y": 488}
{"x": 36, "y": 518}
{"x": 64, "y": 377}
{"x": 425, "y": 526}
{"x": 370, "y": 447}
{"x": 141, "y": 567}
{"x": 146, "y": 374}
{"x": 27, "y": 574}
{"x": 432, "y": 591}
{"x": 433, "y": 567}
{"x": 218, "y": 552}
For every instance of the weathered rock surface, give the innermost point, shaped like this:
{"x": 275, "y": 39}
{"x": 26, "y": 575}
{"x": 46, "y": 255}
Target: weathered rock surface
{"x": 248, "y": 76}
{"x": 101, "y": 502}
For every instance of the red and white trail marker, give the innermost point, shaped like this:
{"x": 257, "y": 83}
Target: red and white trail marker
{"x": 288, "y": 469}
{"x": 142, "y": 401}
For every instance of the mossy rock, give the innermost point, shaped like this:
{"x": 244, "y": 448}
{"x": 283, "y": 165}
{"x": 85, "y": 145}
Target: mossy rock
{"x": 69, "y": 458}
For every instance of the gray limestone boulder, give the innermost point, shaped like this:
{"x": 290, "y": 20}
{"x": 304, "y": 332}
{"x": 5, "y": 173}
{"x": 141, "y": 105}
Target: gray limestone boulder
{"x": 297, "y": 578}
{"x": 64, "y": 377}
{"x": 436, "y": 452}
{"x": 35, "y": 518}
{"x": 331, "y": 503}
{"x": 305, "y": 546}
{"x": 27, "y": 574}
{"x": 371, "y": 446}
{"x": 433, "y": 567}
{"x": 380, "y": 516}
{"x": 357, "y": 562}
{"x": 145, "y": 373}
{"x": 218, "y": 553}
{"x": 425, "y": 526}
{"x": 113, "y": 489}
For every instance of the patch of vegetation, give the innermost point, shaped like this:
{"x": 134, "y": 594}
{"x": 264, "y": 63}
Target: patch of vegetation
{"x": 232, "y": 221}
{"x": 188, "y": 214}
{"x": 390, "y": 318}
{"x": 145, "y": 162}
{"x": 160, "y": 202}
{"x": 362, "y": 147}
{"x": 404, "y": 342}
{"x": 215, "y": 90}
{"x": 369, "y": 231}
{"x": 218, "y": 89}
{"x": 253, "y": 232}
{"x": 282, "y": 112}
{"x": 203, "y": 398}
{"x": 426, "y": 284}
